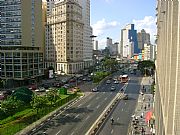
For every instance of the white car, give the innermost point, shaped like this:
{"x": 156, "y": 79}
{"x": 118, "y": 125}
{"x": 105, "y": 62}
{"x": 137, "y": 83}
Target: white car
{"x": 116, "y": 82}
{"x": 95, "y": 89}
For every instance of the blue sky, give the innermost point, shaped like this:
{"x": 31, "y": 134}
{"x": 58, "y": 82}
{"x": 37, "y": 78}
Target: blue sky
{"x": 108, "y": 17}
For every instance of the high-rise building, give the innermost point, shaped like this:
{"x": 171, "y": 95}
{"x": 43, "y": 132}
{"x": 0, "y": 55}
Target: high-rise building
{"x": 21, "y": 41}
{"x": 95, "y": 45}
{"x": 108, "y": 42}
{"x": 143, "y": 38}
{"x": 87, "y": 32}
{"x": 128, "y": 41}
{"x": 147, "y": 51}
{"x": 167, "y": 93}
{"x": 64, "y": 37}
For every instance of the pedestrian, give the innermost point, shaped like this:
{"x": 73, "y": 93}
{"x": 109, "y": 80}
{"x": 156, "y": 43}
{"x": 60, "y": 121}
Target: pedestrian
{"x": 142, "y": 131}
{"x": 145, "y": 107}
{"x": 149, "y": 105}
{"x": 142, "y": 114}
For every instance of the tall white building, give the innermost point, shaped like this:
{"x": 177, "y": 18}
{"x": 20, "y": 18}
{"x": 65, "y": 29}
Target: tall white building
{"x": 64, "y": 37}
{"x": 95, "y": 45}
{"x": 87, "y": 32}
{"x": 147, "y": 51}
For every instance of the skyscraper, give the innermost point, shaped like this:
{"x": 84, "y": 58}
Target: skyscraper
{"x": 21, "y": 40}
{"x": 129, "y": 44}
{"x": 167, "y": 95}
{"x": 95, "y": 45}
{"x": 143, "y": 38}
{"x": 64, "y": 37}
{"x": 87, "y": 32}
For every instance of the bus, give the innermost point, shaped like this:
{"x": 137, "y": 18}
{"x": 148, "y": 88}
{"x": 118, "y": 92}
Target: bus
{"x": 124, "y": 78}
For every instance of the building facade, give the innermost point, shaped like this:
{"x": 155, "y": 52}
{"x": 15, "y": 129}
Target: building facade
{"x": 167, "y": 95}
{"x": 21, "y": 41}
{"x": 87, "y": 32}
{"x": 95, "y": 45}
{"x": 128, "y": 41}
{"x": 64, "y": 37}
{"x": 143, "y": 38}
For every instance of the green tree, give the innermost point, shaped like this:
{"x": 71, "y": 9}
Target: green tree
{"x": 23, "y": 94}
{"x": 11, "y": 105}
{"x": 38, "y": 102}
{"x": 52, "y": 96}
{"x": 146, "y": 67}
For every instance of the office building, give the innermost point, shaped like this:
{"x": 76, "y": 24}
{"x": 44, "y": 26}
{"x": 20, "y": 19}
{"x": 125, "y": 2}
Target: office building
{"x": 167, "y": 93}
{"x": 21, "y": 40}
{"x": 143, "y": 38}
{"x": 87, "y": 32}
{"x": 128, "y": 41}
{"x": 147, "y": 51}
{"x": 108, "y": 42}
{"x": 64, "y": 37}
{"x": 95, "y": 45}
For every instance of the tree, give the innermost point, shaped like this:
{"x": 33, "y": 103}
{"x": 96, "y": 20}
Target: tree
{"x": 11, "y": 105}
{"x": 38, "y": 102}
{"x": 52, "y": 96}
{"x": 23, "y": 94}
{"x": 146, "y": 67}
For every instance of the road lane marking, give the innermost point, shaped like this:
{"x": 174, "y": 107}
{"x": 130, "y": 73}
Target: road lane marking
{"x": 89, "y": 105}
{"x": 105, "y": 98}
{"x": 122, "y": 109}
{"x": 97, "y": 98}
{"x": 79, "y": 105}
{"x": 112, "y": 131}
{"x": 118, "y": 118}
{"x": 76, "y": 116}
{"x": 87, "y": 117}
{"x": 58, "y": 132}
{"x": 98, "y": 106}
{"x": 125, "y": 103}
{"x": 103, "y": 92}
{"x": 66, "y": 115}
{"x": 72, "y": 133}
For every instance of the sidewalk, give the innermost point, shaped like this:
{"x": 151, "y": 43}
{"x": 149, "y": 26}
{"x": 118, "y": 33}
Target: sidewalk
{"x": 140, "y": 123}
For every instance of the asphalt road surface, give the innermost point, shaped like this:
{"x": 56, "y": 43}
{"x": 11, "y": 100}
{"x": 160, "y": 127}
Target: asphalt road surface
{"x": 77, "y": 119}
{"x": 123, "y": 111}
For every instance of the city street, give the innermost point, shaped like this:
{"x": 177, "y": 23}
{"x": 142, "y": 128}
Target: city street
{"x": 77, "y": 119}
{"x": 123, "y": 111}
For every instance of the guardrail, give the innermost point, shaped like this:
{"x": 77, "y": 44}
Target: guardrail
{"x": 97, "y": 124}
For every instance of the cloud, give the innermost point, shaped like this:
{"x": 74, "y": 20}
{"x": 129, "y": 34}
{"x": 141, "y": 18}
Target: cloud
{"x": 149, "y": 24}
{"x": 101, "y": 26}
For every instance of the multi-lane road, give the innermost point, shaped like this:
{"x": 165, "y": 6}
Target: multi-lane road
{"x": 123, "y": 111}
{"x": 78, "y": 118}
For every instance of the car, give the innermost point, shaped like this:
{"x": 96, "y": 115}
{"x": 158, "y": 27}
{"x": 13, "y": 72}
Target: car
{"x": 132, "y": 72}
{"x": 84, "y": 79}
{"x": 108, "y": 82}
{"x": 125, "y": 97}
{"x": 95, "y": 89}
{"x": 116, "y": 82}
{"x": 113, "y": 88}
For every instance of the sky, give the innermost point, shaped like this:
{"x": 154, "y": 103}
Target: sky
{"x": 108, "y": 17}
